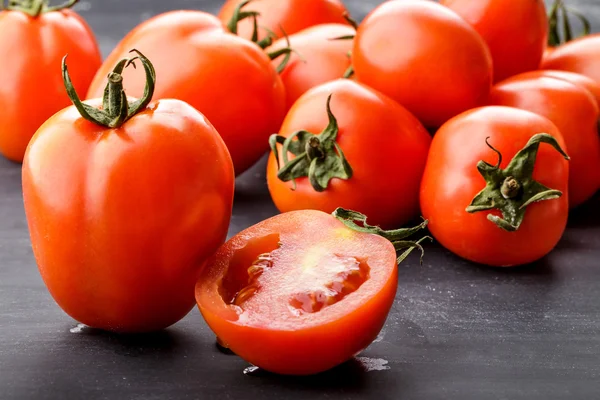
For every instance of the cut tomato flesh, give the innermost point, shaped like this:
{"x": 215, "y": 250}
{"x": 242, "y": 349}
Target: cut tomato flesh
{"x": 301, "y": 286}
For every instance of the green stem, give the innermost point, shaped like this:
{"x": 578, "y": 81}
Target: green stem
{"x": 35, "y": 8}
{"x": 559, "y": 15}
{"x": 398, "y": 237}
{"x": 116, "y": 110}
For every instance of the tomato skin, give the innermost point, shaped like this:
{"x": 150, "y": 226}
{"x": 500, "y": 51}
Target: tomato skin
{"x": 385, "y": 145}
{"x": 322, "y": 59}
{"x": 451, "y": 181}
{"x": 433, "y": 77}
{"x": 227, "y": 78}
{"x": 581, "y": 55}
{"x": 580, "y": 80}
{"x": 291, "y": 15}
{"x": 516, "y": 32}
{"x": 32, "y": 50}
{"x": 310, "y": 343}
{"x": 575, "y": 113}
{"x": 114, "y": 214}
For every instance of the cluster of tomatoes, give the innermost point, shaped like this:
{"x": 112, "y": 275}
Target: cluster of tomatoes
{"x": 128, "y": 199}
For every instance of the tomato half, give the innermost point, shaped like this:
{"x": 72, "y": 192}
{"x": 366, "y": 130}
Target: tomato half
{"x": 31, "y": 48}
{"x": 116, "y": 215}
{"x": 516, "y": 32}
{"x": 452, "y": 180}
{"x": 385, "y": 146}
{"x": 575, "y": 113}
{"x": 582, "y": 56}
{"x": 299, "y": 293}
{"x": 284, "y": 16}
{"x": 425, "y": 57}
{"x": 317, "y": 59}
{"x": 228, "y": 79}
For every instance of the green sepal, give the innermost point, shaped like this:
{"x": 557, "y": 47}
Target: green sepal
{"x": 513, "y": 189}
{"x": 116, "y": 109}
{"x": 35, "y": 8}
{"x": 317, "y": 157}
{"x": 398, "y": 237}
{"x": 559, "y": 14}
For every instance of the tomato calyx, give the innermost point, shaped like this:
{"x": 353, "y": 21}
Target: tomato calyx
{"x": 513, "y": 189}
{"x": 116, "y": 109}
{"x": 559, "y": 15}
{"x": 350, "y": 71}
{"x": 239, "y": 14}
{"x": 317, "y": 157}
{"x": 398, "y": 237}
{"x": 35, "y": 8}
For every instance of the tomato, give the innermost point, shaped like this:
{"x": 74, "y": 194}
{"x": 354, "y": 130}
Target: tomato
{"x": 116, "y": 208}
{"x": 282, "y": 293}
{"x": 372, "y": 161}
{"x": 403, "y": 49}
{"x": 516, "y": 32}
{"x": 573, "y": 110}
{"x": 580, "y": 80}
{"x": 31, "y": 46}
{"x": 227, "y": 78}
{"x": 459, "y": 205}
{"x": 581, "y": 56}
{"x": 284, "y": 16}
{"x": 318, "y": 58}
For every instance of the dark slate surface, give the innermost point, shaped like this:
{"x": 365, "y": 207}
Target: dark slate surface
{"x": 457, "y": 330}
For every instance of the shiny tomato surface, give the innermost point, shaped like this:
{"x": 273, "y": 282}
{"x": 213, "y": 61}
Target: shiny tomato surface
{"x": 228, "y": 79}
{"x": 31, "y": 50}
{"x": 452, "y": 180}
{"x": 117, "y": 216}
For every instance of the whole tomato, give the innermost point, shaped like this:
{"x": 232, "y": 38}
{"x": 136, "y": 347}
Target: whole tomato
{"x": 282, "y": 294}
{"x": 573, "y": 110}
{"x": 281, "y": 17}
{"x": 117, "y": 199}
{"x": 425, "y": 57}
{"x": 516, "y": 32}
{"x": 581, "y": 56}
{"x": 345, "y": 145}
{"x": 318, "y": 58}
{"x": 33, "y": 39}
{"x": 495, "y": 189}
{"x": 228, "y": 79}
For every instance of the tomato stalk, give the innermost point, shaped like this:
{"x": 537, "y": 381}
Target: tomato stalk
{"x": 35, "y": 8}
{"x": 116, "y": 109}
{"x": 398, "y": 237}
{"x": 513, "y": 189}
{"x": 559, "y": 13}
{"x": 317, "y": 157}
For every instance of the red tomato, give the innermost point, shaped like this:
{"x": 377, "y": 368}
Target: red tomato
{"x": 318, "y": 58}
{"x": 425, "y": 57}
{"x": 452, "y": 181}
{"x": 581, "y": 80}
{"x": 116, "y": 214}
{"x": 31, "y": 47}
{"x": 575, "y": 113}
{"x": 283, "y": 293}
{"x": 581, "y": 56}
{"x": 385, "y": 146}
{"x": 227, "y": 78}
{"x": 284, "y": 16}
{"x": 516, "y": 31}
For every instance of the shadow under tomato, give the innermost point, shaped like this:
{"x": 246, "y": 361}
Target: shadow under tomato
{"x": 586, "y": 215}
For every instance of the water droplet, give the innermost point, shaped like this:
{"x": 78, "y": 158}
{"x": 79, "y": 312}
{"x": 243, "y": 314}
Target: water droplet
{"x": 251, "y": 370}
{"x": 78, "y": 329}
{"x": 373, "y": 364}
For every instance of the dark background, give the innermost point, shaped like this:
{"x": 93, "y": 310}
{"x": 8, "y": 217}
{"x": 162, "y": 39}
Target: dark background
{"x": 457, "y": 330}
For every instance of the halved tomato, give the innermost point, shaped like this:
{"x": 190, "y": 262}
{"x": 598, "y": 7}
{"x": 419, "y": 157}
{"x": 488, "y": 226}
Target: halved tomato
{"x": 301, "y": 292}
